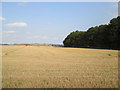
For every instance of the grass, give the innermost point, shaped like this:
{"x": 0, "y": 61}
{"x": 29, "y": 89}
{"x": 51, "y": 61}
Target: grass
{"x": 47, "y": 66}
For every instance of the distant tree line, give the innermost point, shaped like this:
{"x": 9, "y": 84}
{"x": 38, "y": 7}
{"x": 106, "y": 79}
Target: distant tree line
{"x": 103, "y": 36}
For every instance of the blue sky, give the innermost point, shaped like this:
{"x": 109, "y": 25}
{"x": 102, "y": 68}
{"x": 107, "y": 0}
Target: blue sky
{"x": 51, "y": 22}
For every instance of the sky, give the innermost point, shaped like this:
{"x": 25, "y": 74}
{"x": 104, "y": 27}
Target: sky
{"x": 51, "y": 22}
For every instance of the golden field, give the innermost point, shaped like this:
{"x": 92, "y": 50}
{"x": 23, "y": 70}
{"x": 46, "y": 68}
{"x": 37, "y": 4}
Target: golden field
{"x": 58, "y": 67}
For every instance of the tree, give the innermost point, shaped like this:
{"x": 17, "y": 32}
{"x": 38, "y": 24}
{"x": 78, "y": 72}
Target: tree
{"x": 75, "y": 39}
{"x": 114, "y": 32}
{"x": 103, "y": 36}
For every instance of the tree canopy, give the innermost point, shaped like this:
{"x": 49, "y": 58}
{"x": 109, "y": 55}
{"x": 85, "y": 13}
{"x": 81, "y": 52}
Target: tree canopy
{"x": 103, "y": 36}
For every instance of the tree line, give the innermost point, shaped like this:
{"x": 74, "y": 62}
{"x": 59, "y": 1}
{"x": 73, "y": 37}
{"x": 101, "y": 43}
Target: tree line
{"x": 102, "y": 36}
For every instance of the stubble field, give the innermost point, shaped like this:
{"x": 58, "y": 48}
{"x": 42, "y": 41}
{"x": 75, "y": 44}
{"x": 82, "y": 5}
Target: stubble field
{"x": 58, "y": 67}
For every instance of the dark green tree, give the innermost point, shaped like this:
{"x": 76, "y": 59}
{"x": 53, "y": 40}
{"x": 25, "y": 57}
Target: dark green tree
{"x": 103, "y": 36}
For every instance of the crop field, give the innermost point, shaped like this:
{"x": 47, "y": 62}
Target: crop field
{"x": 58, "y": 67}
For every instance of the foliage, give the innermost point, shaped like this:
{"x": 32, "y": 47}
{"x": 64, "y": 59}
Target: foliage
{"x": 103, "y": 36}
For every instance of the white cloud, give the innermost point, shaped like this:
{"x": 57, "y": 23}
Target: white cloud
{"x": 17, "y": 24}
{"x": 115, "y": 5}
{"x": 9, "y": 32}
{"x": 2, "y": 19}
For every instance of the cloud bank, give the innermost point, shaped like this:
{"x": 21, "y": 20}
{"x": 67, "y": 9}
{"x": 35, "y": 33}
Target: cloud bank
{"x": 9, "y": 32}
{"x": 2, "y": 19}
{"x": 17, "y": 24}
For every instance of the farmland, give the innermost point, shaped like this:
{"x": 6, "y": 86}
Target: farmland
{"x": 58, "y": 67}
